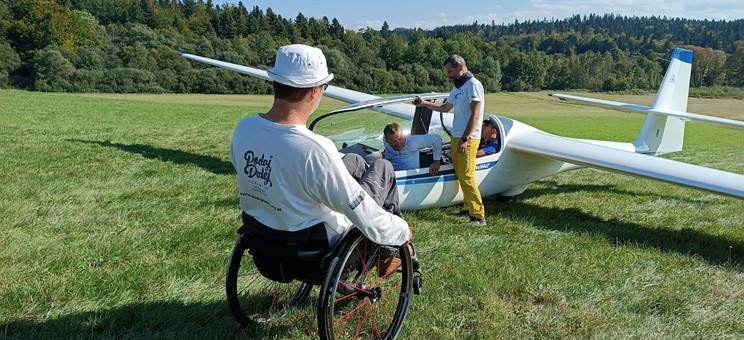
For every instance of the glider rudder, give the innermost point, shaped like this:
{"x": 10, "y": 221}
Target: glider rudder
{"x": 661, "y": 133}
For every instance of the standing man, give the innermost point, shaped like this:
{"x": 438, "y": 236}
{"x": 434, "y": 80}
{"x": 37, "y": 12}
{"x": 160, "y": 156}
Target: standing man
{"x": 292, "y": 179}
{"x": 467, "y": 99}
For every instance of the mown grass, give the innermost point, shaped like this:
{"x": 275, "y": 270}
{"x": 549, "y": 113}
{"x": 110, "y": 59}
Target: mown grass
{"x": 118, "y": 214}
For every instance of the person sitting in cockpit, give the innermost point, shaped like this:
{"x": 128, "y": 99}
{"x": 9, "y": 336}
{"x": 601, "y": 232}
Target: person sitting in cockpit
{"x": 403, "y": 151}
{"x": 489, "y": 143}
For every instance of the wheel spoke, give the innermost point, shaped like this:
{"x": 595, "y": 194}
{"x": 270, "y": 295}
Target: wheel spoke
{"x": 254, "y": 298}
{"x": 377, "y": 306}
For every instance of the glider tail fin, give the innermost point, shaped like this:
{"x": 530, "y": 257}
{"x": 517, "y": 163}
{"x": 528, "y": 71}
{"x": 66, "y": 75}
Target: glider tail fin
{"x": 662, "y": 133}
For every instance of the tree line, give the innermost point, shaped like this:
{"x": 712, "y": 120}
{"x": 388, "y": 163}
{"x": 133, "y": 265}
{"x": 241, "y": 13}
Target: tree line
{"x": 132, "y": 46}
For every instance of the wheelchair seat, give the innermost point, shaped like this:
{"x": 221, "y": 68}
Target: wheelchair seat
{"x": 284, "y": 256}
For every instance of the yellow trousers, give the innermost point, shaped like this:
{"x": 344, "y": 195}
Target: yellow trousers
{"x": 464, "y": 164}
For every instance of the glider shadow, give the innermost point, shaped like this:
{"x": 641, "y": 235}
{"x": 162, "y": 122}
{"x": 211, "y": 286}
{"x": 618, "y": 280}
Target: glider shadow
{"x": 552, "y": 187}
{"x": 716, "y": 250}
{"x": 208, "y": 163}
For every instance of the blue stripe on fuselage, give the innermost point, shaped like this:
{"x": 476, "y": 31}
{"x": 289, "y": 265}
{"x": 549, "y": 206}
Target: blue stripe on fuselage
{"x": 444, "y": 176}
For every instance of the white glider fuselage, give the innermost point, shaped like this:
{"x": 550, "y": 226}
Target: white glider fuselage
{"x": 505, "y": 173}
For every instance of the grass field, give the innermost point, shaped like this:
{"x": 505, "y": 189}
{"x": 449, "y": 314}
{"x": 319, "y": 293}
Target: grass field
{"x": 118, "y": 213}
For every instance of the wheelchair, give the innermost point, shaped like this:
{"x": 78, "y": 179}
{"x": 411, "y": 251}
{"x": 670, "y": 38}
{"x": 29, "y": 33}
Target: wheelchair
{"x": 271, "y": 272}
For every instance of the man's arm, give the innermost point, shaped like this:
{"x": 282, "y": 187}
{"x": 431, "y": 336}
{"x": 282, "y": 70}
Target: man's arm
{"x": 335, "y": 188}
{"x": 232, "y": 157}
{"x": 474, "y": 91}
{"x": 472, "y": 121}
{"x": 474, "y": 118}
{"x": 487, "y": 149}
{"x": 443, "y": 107}
{"x": 436, "y": 142}
{"x": 422, "y": 141}
{"x": 436, "y": 146}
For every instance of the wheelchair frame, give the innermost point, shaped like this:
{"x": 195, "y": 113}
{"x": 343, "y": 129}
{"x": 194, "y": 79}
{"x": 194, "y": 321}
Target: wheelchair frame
{"x": 356, "y": 300}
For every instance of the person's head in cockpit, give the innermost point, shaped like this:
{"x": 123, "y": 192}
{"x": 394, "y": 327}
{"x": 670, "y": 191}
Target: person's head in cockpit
{"x": 394, "y": 136}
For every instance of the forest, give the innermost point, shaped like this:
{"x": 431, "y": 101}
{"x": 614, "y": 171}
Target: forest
{"x": 131, "y": 46}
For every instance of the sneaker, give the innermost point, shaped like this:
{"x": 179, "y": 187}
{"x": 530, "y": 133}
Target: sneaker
{"x": 463, "y": 213}
{"x": 476, "y": 221}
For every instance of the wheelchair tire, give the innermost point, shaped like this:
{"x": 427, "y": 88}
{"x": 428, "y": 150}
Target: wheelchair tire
{"x": 355, "y": 300}
{"x": 254, "y": 299}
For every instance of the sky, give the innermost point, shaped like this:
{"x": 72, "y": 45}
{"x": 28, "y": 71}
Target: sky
{"x": 434, "y": 13}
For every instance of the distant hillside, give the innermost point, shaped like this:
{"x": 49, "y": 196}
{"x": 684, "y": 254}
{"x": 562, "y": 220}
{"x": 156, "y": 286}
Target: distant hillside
{"x": 633, "y": 34}
{"x": 132, "y": 45}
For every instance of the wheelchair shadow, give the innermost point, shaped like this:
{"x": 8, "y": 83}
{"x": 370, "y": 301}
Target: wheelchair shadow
{"x": 171, "y": 320}
{"x": 212, "y": 164}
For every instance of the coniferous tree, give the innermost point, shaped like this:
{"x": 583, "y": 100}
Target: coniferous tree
{"x": 89, "y": 41}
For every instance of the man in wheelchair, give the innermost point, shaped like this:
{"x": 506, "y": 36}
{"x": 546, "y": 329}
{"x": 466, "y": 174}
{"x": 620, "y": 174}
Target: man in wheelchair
{"x": 300, "y": 198}
{"x": 291, "y": 179}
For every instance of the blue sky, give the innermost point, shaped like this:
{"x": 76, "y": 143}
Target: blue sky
{"x": 433, "y": 13}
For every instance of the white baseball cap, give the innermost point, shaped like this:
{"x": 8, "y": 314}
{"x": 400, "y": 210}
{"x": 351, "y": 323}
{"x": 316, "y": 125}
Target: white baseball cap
{"x": 300, "y": 66}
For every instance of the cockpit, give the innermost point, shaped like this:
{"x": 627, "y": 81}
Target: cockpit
{"x": 361, "y": 132}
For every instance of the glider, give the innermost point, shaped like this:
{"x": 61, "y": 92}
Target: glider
{"x": 528, "y": 154}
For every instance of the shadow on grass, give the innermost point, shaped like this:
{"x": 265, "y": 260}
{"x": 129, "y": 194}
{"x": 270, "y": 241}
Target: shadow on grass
{"x": 157, "y": 320}
{"x": 716, "y": 250}
{"x": 208, "y": 163}
{"x": 553, "y": 188}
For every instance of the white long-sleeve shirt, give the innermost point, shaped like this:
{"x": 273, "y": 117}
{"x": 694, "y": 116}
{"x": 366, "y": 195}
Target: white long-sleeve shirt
{"x": 408, "y": 156}
{"x": 291, "y": 178}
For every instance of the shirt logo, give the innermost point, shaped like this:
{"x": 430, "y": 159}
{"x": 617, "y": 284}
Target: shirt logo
{"x": 258, "y": 167}
{"x": 355, "y": 202}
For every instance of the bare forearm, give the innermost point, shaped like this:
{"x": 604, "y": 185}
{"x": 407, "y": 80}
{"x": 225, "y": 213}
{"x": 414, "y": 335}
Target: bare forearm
{"x": 443, "y": 107}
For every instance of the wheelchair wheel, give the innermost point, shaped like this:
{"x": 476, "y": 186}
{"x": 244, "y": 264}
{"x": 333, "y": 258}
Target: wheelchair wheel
{"x": 356, "y": 301}
{"x": 254, "y": 299}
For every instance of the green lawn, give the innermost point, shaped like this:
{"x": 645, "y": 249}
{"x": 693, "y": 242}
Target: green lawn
{"x": 118, "y": 213}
